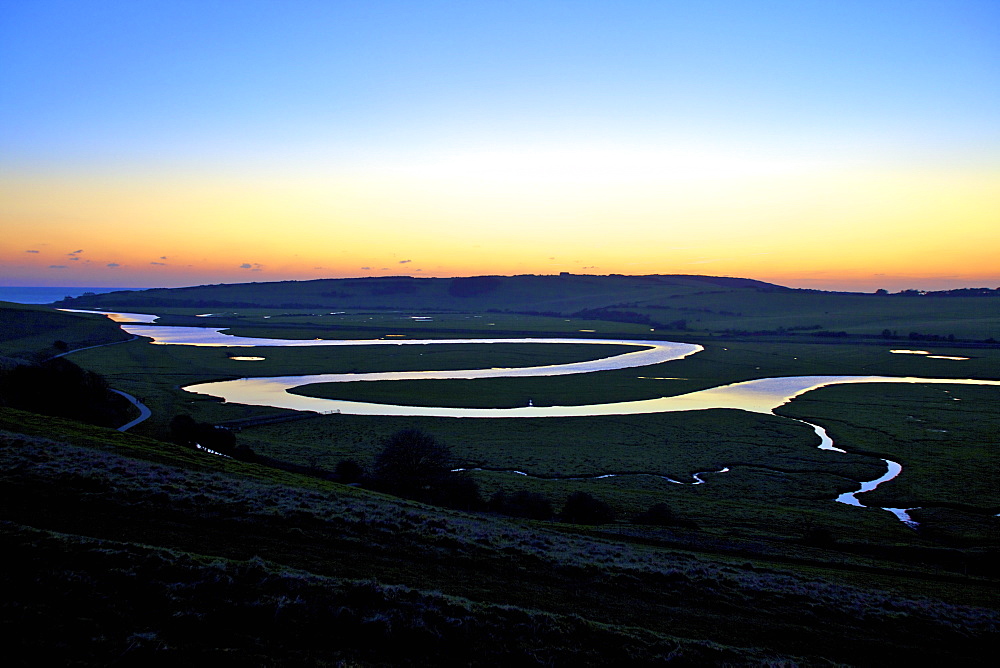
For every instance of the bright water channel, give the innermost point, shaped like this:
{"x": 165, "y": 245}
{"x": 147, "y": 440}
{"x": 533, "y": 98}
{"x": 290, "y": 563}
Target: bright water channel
{"x": 759, "y": 396}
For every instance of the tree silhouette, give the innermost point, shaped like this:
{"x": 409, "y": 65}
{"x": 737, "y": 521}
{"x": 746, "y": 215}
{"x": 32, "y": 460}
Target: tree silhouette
{"x": 410, "y": 461}
{"x": 348, "y": 470}
{"x": 522, "y": 504}
{"x": 582, "y": 508}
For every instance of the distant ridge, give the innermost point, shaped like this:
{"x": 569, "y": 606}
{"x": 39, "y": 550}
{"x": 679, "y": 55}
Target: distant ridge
{"x": 559, "y": 294}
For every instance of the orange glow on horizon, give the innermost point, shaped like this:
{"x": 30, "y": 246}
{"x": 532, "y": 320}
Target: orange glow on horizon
{"x": 790, "y": 222}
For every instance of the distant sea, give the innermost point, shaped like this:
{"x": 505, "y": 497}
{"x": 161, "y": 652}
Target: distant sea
{"x": 35, "y": 295}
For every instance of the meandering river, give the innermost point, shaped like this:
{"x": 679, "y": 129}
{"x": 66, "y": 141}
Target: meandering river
{"x": 760, "y": 396}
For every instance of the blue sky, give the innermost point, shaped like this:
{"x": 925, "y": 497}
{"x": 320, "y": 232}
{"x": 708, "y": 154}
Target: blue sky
{"x": 305, "y": 92}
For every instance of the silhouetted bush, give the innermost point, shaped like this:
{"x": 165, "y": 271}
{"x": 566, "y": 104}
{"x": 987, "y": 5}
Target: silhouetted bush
{"x": 582, "y": 508}
{"x": 454, "y": 490}
{"x": 660, "y": 514}
{"x": 348, "y": 470}
{"x": 410, "y": 461}
{"x": 413, "y": 464}
{"x": 531, "y": 505}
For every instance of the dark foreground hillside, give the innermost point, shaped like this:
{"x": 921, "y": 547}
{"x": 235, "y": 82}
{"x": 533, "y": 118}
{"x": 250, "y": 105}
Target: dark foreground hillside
{"x": 122, "y": 550}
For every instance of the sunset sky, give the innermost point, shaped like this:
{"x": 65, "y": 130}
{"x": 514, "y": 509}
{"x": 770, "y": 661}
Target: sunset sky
{"x": 827, "y": 144}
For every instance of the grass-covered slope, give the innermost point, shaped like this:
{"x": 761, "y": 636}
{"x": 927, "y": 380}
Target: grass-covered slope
{"x": 33, "y": 331}
{"x": 125, "y": 549}
{"x": 686, "y": 303}
{"x": 564, "y": 293}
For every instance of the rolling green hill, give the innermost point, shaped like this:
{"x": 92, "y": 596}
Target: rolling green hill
{"x": 687, "y": 303}
{"x": 563, "y": 293}
{"x": 32, "y": 331}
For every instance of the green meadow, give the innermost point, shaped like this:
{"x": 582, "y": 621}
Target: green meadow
{"x": 705, "y": 305}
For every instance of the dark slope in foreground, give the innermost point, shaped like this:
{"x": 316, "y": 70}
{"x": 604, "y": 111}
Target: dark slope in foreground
{"x": 127, "y": 550}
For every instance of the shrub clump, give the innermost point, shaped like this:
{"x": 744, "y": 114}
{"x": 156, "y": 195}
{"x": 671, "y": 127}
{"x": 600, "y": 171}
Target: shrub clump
{"x": 415, "y": 465}
{"x": 583, "y": 508}
{"x": 531, "y": 505}
{"x": 662, "y": 515}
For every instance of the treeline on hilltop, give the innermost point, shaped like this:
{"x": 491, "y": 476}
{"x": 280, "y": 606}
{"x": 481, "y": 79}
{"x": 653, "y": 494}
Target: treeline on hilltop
{"x": 957, "y": 292}
{"x": 173, "y": 302}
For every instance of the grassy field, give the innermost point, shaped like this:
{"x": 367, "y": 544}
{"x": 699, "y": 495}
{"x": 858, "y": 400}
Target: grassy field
{"x": 156, "y": 372}
{"x": 780, "y": 482}
{"x": 946, "y": 437}
{"x": 31, "y": 331}
{"x": 803, "y": 312}
{"x": 719, "y": 364}
{"x": 704, "y": 304}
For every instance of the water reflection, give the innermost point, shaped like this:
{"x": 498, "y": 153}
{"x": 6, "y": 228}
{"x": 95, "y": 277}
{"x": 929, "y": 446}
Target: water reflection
{"x": 117, "y": 316}
{"x": 758, "y": 396}
{"x": 649, "y": 352}
{"x": 927, "y": 353}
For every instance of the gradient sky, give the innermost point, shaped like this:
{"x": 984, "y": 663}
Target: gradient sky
{"x": 830, "y": 144}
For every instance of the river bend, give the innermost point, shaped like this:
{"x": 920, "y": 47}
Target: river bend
{"x": 762, "y": 395}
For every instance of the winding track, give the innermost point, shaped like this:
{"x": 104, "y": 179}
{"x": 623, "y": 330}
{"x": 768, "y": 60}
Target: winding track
{"x": 144, "y": 412}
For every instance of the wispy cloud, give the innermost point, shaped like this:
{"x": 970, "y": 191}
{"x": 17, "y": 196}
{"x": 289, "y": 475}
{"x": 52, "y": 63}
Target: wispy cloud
{"x": 405, "y": 261}
{"x": 366, "y": 268}
{"x": 76, "y": 252}
{"x": 252, "y": 266}
{"x": 161, "y": 264}
{"x": 58, "y": 266}
{"x": 32, "y": 251}
{"x": 113, "y": 264}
